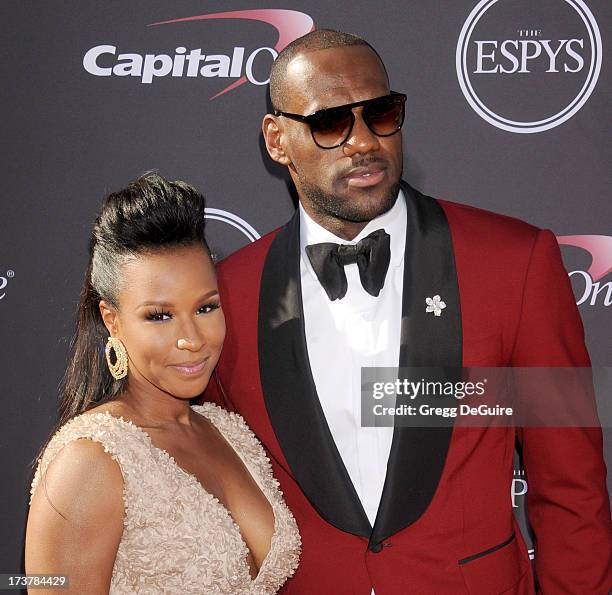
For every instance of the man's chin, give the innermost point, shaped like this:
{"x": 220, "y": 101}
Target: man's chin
{"x": 354, "y": 205}
{"x": 363, "y": 206}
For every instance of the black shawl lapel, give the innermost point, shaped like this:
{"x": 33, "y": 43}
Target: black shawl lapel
{"x": 418, "y": 455}
{"x": 290, "y": 394}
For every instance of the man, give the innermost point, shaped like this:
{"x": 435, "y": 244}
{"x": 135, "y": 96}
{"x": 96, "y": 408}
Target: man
{"x": 400, "y": 510}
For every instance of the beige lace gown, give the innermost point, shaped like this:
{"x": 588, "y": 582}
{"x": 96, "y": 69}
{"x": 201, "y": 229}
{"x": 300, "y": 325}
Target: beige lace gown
{"x": 178, "y": 538}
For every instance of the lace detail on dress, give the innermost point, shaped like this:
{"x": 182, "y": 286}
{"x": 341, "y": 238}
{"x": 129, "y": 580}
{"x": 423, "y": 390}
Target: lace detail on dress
{"x": 178, "y": 538}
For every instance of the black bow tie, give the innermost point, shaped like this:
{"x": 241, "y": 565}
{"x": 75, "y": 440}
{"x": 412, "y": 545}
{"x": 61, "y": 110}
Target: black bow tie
{"x": 372, "y": 255}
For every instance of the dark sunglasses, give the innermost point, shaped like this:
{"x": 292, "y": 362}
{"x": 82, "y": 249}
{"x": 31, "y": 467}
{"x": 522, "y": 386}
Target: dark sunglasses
{"x": 332, "y": 126}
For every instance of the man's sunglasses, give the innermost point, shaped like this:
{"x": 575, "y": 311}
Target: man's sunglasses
{"x": 332, "y": 126}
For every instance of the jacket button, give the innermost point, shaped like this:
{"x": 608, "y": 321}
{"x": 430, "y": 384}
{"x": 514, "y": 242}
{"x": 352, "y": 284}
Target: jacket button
{"x": 376, "y": 548}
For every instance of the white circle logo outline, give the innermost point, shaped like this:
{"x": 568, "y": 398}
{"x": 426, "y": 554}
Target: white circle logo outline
{"x": 238, "y": 222}
{"x": 540, "y": 125}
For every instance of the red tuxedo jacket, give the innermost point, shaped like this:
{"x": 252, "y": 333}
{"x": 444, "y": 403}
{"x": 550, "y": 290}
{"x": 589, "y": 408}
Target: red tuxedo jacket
{"x": 445, "y": 522}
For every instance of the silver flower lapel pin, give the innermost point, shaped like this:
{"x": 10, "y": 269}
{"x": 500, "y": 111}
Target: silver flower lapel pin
{"x": 435, "y": 305}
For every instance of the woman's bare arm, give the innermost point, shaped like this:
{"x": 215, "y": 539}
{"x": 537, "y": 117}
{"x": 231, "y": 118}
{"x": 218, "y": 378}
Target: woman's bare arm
{"x": 75, "y": 521}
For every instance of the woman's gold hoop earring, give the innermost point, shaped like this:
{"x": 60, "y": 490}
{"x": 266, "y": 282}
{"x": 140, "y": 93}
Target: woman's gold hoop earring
{"x": 120, "y": 368}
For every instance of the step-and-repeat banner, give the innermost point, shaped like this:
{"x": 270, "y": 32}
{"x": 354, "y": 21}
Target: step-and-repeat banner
{"x": 507, "y": 110}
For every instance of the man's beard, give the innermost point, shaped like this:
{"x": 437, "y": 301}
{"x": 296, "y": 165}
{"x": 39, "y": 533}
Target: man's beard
{"x": 328, "y": 204}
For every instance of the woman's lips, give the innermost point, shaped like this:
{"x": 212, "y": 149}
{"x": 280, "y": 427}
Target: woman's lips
{"x": 364, "y": 179}
{"x": 191, "y": 369}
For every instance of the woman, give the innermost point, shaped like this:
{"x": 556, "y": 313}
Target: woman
{"x": 139, "y": 492}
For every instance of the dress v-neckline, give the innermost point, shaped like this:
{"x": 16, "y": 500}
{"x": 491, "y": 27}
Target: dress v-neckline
{"x": 193, "y": 479}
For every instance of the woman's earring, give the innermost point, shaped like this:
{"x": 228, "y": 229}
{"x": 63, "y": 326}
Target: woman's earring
{"x": 120, "y": 368}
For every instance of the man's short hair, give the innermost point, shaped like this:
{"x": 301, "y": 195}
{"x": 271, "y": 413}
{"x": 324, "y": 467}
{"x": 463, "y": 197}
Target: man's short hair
{"x": 321, "y": 39}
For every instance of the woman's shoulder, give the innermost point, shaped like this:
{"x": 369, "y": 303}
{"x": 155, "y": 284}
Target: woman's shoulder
{"x": 76, "y": 479}
{"x": 81, "y": 474}
{"x": 90, "y": 440}
{"x": 98, "y": 425}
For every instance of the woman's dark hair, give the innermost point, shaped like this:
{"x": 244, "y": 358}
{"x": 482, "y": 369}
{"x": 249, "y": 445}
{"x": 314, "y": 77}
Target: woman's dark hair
{"x": 149, "y": 215}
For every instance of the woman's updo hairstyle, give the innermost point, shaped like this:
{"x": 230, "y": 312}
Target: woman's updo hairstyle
{"x": 148, "y": 215}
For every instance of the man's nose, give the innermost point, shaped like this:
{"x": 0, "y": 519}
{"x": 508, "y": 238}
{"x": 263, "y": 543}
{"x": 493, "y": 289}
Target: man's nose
{"x": 361, "y": 139}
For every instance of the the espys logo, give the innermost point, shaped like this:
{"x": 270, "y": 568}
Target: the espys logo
{"x": 4, "y": 280}
{"x": 105, "y": 59}
{"x": 594, "y": 292}
{"x": 238, "y": 222}
{"x": 527, "y": 66}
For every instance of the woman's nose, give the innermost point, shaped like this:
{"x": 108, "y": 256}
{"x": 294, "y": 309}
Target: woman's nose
{"x": 187, "y": 344}
{"x": 191, "y": 338}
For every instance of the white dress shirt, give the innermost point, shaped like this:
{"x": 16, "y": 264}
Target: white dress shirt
{"x": 346, "y": 334}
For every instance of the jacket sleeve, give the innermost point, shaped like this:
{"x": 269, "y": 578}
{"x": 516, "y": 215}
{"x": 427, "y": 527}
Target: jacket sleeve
{"x": 567, "y": 500}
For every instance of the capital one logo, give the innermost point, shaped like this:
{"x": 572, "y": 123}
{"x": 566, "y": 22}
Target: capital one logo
{"x": 526, "y": 66}
{"x": 107, "y": 60}
{"x": 591, "y": 289}
{"x": 4, "y": 281}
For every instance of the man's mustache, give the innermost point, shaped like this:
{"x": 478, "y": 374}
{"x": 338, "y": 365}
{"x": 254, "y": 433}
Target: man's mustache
{"x": 365, "y": 164}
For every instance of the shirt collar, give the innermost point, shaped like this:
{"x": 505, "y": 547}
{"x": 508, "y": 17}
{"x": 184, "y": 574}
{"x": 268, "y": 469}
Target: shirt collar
{"x": 393, "y": 222}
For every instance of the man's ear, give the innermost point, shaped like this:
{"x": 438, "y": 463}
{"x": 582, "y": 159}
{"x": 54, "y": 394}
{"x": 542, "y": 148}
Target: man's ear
{"x": 273, "y": 137}
{"x": 109, "y": 317}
